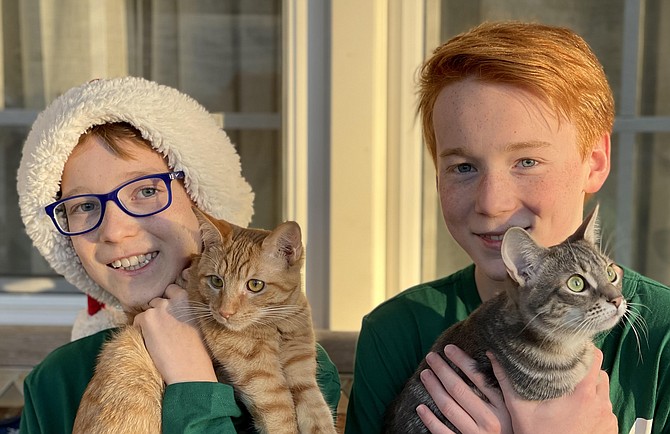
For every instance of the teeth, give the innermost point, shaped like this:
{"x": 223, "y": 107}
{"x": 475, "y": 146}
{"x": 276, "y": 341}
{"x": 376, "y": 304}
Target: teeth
{"x": 494, "y": 237}
{"x": 132, "y": 263}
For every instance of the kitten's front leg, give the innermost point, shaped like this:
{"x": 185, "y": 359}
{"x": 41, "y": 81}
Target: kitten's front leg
{"x": 125, "y": 393}
{"x": 298, "y": 357}
{"x": 253, "y": 367}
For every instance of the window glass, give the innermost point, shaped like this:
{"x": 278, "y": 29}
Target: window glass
{"x": 225, "y": 54}
{"x": 635, "y": 211}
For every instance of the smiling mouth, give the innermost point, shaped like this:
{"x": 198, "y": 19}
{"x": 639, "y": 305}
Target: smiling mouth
{"x": 497, "y": 237}
{"x": 132, "y": 263}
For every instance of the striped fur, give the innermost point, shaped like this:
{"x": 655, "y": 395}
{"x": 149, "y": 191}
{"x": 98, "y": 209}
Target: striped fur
{"x": 262, "y": 343}
{"x": 540, "y": 332}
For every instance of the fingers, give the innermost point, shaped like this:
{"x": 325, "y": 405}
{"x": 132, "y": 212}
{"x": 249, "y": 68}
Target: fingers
{"x": 434, "y": 425}
{"x": 603, "y": 386}
{"x": 593, "y": 377}
{"x": 505, "y": 386}
{"x": 597, "y": 376}
{"x": 442, "y": 388}
{"x": 464, "y": 408}
{"x": 182, "y": 279}
{"x": 597, "y": 362}
{"x": 603, "y": 380}
{"x": 466, "y": 364}
{"x": 174, "y": 296}
{"x": 176, "y": 292}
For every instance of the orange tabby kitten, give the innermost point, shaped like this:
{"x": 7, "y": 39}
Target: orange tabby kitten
{"x": 245, "y": 294}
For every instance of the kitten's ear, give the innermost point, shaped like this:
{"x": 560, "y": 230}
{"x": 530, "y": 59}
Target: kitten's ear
{"x": 285, "y": 242}
{"x": 588, "y": 230}
{"x": 211, "y": 229}
{"x": 519, "y": 252}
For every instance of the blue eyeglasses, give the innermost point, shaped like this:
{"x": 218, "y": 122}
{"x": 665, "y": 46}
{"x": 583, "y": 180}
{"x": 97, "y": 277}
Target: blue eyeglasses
{"x": 141, "y": 197}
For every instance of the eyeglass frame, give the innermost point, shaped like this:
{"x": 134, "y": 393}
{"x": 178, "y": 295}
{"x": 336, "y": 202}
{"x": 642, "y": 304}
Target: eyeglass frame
{"x": 113, "y": 196}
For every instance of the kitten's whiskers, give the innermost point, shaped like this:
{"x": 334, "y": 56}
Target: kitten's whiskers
{"x": 633, "y": 316}
{"x": 582, "y": 323}
{"x": 528, "y": 323}
{"x": 195, "y": 310}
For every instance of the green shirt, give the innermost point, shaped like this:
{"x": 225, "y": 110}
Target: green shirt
{"x": 53, "y": 390}
{"x": 398, "y": 334}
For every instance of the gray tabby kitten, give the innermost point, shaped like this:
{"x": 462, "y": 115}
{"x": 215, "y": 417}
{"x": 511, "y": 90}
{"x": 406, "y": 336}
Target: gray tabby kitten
{"x": 540, "y": 332}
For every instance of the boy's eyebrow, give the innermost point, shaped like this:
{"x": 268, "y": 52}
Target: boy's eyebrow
{"x": 532, "y": 144}
{"x": 458, "y": 152}
{"x": 84, "y": 190}
{"x": 510, "y": 147}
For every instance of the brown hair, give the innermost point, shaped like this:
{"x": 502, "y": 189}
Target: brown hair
{"x": 553, "y": 63}
{"x": 113, "y": 133}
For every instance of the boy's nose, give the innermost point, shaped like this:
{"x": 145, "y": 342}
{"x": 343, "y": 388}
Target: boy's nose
{"x": 495, "y": 195}
{"x": 116, "y": 224}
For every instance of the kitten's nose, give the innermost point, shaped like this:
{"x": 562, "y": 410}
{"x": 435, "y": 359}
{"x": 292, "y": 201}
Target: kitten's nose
{"x": 227, "y": 313}
{"x": 616, "y": 301}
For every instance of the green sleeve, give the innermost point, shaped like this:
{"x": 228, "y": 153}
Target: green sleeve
{"x": 53, "y": 389}
{"x": 637, "y": 355}
{"x": 395, "y": 337}
{"x": 372, "y": 390}
{"x": 194, "y": 407}
{"x": 328, "y": 378}
{"x": 199, "y": 407}
{"x": 662, "y": 409}
{"x": 30, "y": 423}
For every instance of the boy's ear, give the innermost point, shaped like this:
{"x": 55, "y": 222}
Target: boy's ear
{"x": 599, "y": 164}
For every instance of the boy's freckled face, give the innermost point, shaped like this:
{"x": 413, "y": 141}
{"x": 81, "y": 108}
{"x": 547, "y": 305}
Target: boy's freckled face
{"x": 171, "y": 235}
{"x": 503, "y": 159}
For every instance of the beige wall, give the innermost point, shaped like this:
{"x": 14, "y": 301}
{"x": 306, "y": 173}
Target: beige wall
{"x": 376, "y": 155}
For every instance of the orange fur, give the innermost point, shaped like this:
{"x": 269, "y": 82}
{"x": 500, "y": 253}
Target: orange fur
{"x": 263, "y": 342}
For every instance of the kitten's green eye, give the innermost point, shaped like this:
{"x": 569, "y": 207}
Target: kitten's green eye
{"x": 255, "y": 285}
{"x": 215, "y": 281}
{"x": 612, "y": 276}
{"x": 576, "y": 283}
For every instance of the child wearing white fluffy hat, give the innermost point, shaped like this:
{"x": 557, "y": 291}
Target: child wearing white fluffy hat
{"x": 100, "y": 140}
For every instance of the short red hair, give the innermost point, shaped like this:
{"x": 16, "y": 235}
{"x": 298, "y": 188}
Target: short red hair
{"x": 553, "y": 63}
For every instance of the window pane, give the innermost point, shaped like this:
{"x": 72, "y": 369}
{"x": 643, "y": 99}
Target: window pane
{"x": 17, "y": 256}
{"x": 225, "y": 54}
{"x": 634, "y": 198}
{"x": 655, "y": 86}
{"x": 648, "y": 243}
{"x": 599, "y": 22}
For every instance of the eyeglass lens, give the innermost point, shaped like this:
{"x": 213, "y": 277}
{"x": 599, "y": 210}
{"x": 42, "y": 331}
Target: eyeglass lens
{"x": 138, "y": 198}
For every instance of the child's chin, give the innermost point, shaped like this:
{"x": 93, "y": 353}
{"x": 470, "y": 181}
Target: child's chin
{"x": 495, "y": 270}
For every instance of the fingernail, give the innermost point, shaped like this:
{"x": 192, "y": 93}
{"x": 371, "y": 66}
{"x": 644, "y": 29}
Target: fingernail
{"x": 449, "y": 349}
{"x": 424, "y": 375}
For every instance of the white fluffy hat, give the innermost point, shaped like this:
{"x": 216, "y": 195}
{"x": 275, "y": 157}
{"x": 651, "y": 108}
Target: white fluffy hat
{"x": 177, "y": 127}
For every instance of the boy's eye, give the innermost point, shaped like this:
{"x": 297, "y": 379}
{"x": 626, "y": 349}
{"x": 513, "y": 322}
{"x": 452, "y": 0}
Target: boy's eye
{"x": 147, "y": 192}
{"x": 464, "y": 168}
{"x": 83, "y": 207}
{"x": 527, "y": 162}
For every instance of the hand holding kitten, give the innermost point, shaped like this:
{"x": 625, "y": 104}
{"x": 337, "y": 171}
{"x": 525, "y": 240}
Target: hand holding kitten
{"x": 587, "y": 410}
{"x": 175, "y": 344}
{"x": 456, "y": 400}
